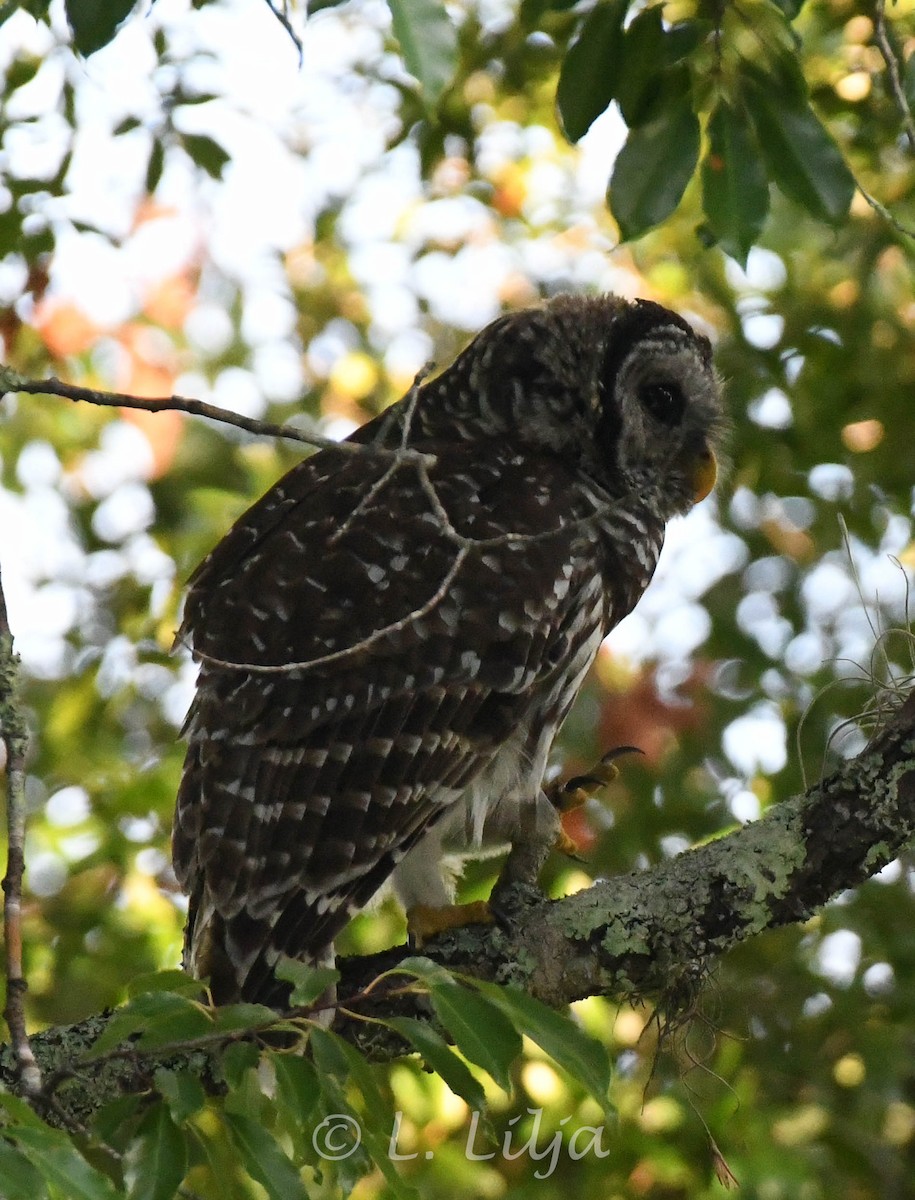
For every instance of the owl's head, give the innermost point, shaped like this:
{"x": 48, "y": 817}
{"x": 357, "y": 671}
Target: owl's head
{"x": 625, "y": 391}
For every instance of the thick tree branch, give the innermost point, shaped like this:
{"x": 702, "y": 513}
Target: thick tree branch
{"x": 654, "y": 933}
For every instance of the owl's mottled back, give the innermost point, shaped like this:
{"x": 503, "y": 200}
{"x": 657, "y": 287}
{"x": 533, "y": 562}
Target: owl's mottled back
{"x": 391, "y": 637}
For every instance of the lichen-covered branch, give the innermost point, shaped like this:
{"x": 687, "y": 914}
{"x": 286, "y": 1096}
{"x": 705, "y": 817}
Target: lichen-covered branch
{"x": 13, "y": 738}
{"x": 652, "y": 934}
{"x": 657, "y": 933}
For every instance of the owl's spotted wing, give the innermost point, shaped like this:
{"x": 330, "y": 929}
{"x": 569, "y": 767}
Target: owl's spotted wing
{"x": 406, "y": 657}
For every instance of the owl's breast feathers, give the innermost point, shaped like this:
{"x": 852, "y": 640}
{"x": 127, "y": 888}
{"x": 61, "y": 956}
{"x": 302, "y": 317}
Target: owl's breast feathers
{"x": 401, "y": 655}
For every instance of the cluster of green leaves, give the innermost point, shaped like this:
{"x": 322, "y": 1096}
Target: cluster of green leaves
{"x": 291, "y": 1118}
{"x": 736, "y": 74}
{"x": 741, "y": 74}
{"x": 719, "y": 97}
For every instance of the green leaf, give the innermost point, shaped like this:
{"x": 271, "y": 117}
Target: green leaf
{"x": 154, "y": 166}
{"x": 342, "y": 1135}
{"x": 263, "y": 1159}
{"x": 237, "y": 1060}
{"x": 206, "y": 153}
{"x": 790, "y": 7}
{"x": 297, "y": 1085}
{"x": 682, "y": 39}
{"x": 309, "y": 982}
{"x": 190, "y": 98}
{"x": 20, "y": 72}
{"x": 115, "y": 1122}
{"x": 160, "y": 1018}
{"x": 165, "y": 981}
{"x": 642, "y": 60}
{"x": 584, "y": 1057}
{"x": 653, "y": 168}
{"x": 428, "y": 43}
{"x": 182, "y": 1092}
{"x": 61, "y": 1165}
{"x": 438, "y": 1055}
{"x": 532, "y": 12}
{"x": 357, "y": 1068}
{"x": 647, "y": 83}
{"x": 425, "y": 970}
{"x": 19, "y": 1180}
{"x": 800, "y": 154}
{"x": 314, "y": 6}
{"x": 20, "y": 1110}
{"x": 126, "y": 126}
{"x": 591, "y": 69}
{"x": 233, "y": 1017}
{"x": 337, "y": 1137}
{"x": 336, "y": 1060}
{"x": 735, "y": 190}
{"x": 327, "y": 1051}
{"x": 480, "y": 1030}
{"x": 156, "y": 1160}
{"x": 95, "y": 22}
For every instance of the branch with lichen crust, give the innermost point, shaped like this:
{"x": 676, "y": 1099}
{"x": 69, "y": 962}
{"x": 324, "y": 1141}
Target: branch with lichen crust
{"x": 653, "y": 934}
{"x": 14, "y": 736}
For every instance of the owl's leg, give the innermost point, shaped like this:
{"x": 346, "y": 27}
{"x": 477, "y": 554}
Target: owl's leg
{"x": 539, "y": 832}
{"x": 427, "y": 896}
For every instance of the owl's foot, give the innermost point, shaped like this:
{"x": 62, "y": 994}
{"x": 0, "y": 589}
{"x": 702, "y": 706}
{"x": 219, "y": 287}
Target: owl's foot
{"x": 426, "y": 920}
{"x": 566, "y": 797}
{"x": 575, "y": 791}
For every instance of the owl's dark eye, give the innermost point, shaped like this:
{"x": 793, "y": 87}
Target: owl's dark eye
{"x": 665, "y": 402}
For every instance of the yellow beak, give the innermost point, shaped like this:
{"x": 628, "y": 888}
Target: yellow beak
{"x": 704, "y": 474}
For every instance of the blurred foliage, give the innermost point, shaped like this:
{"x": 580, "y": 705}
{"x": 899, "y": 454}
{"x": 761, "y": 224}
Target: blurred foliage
{"x": 745, "y": 671}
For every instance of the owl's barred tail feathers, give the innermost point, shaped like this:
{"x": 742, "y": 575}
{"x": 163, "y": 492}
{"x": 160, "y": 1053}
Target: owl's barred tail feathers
{"x": 229, "y": 953}
{"x": 238, "y": 956}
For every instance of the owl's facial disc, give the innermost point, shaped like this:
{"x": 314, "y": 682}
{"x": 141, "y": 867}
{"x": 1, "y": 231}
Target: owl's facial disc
{"x": 666, "y": 402}
{"x": 662, "y": 410}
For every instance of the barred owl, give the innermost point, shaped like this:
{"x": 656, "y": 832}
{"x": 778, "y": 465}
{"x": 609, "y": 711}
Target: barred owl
{"x": 391, "y": 637}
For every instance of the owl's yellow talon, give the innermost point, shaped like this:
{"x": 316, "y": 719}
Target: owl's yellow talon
{"x": 426, "y": 920}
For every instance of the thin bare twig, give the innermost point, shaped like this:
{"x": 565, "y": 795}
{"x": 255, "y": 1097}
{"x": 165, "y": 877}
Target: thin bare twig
{"x": 14, "y": 736}
{"x": 882, "y": 211}
{"x": 365, "y": 644}
{"x": 12, "y": 381}
{"x": 282, "y": 16}
{"x": 882, "y": 38}
{"x": 382, "y": 482}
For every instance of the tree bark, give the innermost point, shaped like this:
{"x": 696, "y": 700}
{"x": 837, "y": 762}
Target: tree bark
{"x": 655, "y": 933}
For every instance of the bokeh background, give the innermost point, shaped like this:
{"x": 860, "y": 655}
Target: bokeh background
{"x": 192, "y": 210}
